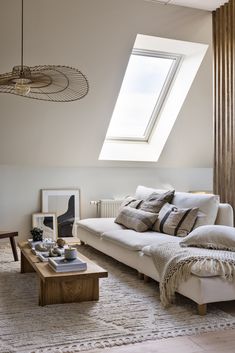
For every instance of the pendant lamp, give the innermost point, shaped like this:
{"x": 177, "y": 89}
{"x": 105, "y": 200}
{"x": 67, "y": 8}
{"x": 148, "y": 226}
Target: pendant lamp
{"x": 53, "y": 83}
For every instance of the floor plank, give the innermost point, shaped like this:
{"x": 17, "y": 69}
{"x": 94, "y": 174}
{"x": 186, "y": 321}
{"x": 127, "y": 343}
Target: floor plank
{"x": 213, "y": 342}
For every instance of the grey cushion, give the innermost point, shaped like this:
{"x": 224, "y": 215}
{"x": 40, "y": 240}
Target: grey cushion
{"x": 175, "y": 221}
{"x": 156, "y": 201}
{"x": 130, "y": 201}
{"x": 211, "y": 237}
{"x": 136, "y": 219}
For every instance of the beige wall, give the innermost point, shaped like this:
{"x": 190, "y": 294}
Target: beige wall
{"x": 20, "y": 187}
{"x": 95, "y": 36}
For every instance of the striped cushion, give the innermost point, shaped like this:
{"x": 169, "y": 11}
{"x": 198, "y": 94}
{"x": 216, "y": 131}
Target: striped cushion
{"x": 175, "y": 221}
{"x": 135, "y": 219}
{"x": 156, "y": 201}
{"x": 130, "y": 201}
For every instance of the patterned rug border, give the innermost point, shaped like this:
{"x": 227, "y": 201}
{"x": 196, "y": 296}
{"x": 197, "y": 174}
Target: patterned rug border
{"x": 99, "y": 344}
{"x": 84, "y": 347}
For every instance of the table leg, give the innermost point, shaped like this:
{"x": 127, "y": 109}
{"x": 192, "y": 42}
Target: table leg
{"x": 25, "y": 266}
{"x": 42, "y": 291}
{"x": 14, "y": 250}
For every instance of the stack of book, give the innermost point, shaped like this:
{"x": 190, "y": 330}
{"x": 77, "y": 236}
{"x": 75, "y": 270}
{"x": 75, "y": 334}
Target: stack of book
{"x": 63, "y": 265}
{"x": 46, "y": 242}
{"x": 44, "y": 256}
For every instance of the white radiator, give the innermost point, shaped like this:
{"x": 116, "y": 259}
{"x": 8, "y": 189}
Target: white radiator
{"x": 107, "y": 208}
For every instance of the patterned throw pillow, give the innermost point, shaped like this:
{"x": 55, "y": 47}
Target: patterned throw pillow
{"x": 131, "y": 202}
{"x": 175, "y": 221}
{"x": 156, "y": 201}
{"x": 136, "y": 219}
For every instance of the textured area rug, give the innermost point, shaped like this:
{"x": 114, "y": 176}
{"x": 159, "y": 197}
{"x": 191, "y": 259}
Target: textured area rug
{"x": 128, "y": 312}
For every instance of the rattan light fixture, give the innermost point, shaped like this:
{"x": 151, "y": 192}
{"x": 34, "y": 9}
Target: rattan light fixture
{"x": 48, "y": 82}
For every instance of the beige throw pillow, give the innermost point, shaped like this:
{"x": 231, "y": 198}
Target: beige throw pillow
{"x": 211, "y": 237}
{"x": 175, "y": 221}
{"x": 137, "y": 220}
{"x": 156, "y": 201}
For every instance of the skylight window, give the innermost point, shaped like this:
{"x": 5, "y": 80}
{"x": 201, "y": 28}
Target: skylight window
{"x": 152, "y": 94}
{"x": 146, "y": 82}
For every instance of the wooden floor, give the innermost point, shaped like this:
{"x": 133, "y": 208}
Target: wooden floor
{"x": 214, "y": 342}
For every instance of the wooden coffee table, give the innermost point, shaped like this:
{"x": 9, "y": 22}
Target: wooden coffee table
{"x": 58, "y": 288}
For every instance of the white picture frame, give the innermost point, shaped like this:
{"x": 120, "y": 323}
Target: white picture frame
{"x": 65, "y": 203}
{"x": 47, "y": 222}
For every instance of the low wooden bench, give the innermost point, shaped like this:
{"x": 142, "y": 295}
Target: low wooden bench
{"x": 11, "y": 236}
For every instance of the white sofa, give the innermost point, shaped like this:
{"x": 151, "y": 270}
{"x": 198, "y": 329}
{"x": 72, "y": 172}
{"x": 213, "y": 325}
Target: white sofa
{"x": 131, "y": 247}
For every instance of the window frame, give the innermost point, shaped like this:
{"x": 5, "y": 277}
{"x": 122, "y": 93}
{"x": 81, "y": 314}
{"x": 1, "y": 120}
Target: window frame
{"x": 161, "y": 98}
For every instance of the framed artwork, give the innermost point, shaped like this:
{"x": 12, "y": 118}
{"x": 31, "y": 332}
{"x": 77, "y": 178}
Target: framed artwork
{"x": 46, "y": 222}
{"x": 66, "y": 205}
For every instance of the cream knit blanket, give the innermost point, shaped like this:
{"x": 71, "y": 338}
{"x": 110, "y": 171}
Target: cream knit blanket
{"x": 174, "y": 264}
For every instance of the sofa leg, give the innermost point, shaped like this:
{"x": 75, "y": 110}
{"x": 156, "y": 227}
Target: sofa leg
{"x": 140, "y": 275}
{"x": 146, "y": 278}
{"x": 202, "y": 309}
{"x": 82, "y": 242}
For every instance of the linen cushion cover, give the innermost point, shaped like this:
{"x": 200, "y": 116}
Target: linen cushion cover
{"x": 216, "y": 237}
{"x": 133, "y": 218}
{"x": 156, "y": 201}
{"x": 175, "y": 221}
{"x": 143, "y": 192}
{"x": 130, "y": 201}
{"x": 208, "y": 204}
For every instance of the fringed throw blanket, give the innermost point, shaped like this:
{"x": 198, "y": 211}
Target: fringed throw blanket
{"x": 174, "y": 265}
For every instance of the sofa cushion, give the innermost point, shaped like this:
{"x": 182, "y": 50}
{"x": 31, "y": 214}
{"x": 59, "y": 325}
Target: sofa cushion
{"x": 143, "y": 192}
{"x": 135, "y": 241}
{"x": 98, "y": 226}
{"x": 208, "y": 204}
{"x": 131, "y": 202}
{"x": 211, "y": 237}
{"x": 156, "y": 201}
{"x": 175, "y": 221}
{"x": 135, "y": 219}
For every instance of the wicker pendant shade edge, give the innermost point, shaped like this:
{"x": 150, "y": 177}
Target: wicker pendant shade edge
{"x": 54, "y": 83}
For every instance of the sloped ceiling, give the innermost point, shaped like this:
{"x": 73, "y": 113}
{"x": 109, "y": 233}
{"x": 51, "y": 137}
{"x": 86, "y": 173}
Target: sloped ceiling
{"x": 96, "y": 37}
{"x": 209, "y": 5}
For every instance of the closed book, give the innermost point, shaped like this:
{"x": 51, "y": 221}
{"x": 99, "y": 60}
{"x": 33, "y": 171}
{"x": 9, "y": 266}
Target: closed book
{"x": 45, "y": 256}
{"x": 63, "y": 264}
{"x": 67, "y": 269}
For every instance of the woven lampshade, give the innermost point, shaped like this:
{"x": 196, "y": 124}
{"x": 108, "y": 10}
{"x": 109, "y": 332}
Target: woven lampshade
{"x": 48, "y": 82}
{"x": 53, "y": 83}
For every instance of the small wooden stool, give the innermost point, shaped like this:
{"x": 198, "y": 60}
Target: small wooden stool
{"x": 11, "y": 236}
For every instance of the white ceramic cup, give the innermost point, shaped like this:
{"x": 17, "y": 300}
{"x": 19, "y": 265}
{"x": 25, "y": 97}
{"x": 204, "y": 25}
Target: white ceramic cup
{"x": 70, "y": 253}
